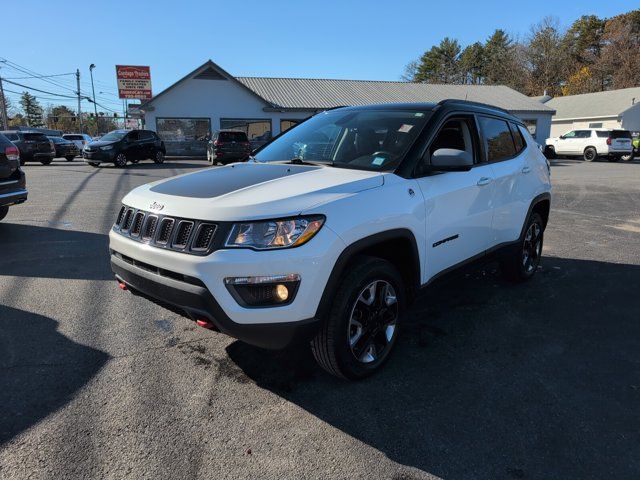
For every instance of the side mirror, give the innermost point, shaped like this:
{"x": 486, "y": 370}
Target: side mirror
{"x": 450, "y": 160}
{"x": 562, "y": 137}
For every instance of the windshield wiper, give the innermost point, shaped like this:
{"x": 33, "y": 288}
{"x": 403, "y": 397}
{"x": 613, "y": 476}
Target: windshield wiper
{"x": 300, "y": 161}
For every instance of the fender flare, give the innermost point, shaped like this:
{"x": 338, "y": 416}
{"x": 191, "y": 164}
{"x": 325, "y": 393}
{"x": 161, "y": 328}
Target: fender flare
{"x": 536, "y": 200}
{"x": 356, "y": 248}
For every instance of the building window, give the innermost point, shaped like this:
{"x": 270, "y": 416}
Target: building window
{"x": 184, "y": 136}
{"x": 287, "y": 124}
{"x": 257, "y": 129}
{"x": 532, "y": 126}
{"x": 595, "y": 125}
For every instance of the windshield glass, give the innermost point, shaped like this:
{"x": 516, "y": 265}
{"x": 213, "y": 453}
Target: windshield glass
{"x": 113, "y": 136}
{"x": 362, "y": 139}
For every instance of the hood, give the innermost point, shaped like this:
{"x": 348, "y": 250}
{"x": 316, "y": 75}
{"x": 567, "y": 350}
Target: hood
{"x": 99, "y": 144}
{"x": 247, "y": 191}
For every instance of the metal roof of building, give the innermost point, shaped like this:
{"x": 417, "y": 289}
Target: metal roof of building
{"x": 318, "y": 93}
{"x": 599, "y": 104}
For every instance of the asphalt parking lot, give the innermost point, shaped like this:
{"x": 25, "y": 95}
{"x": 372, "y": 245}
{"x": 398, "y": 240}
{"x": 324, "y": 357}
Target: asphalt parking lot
{"x": 489, "y": 380}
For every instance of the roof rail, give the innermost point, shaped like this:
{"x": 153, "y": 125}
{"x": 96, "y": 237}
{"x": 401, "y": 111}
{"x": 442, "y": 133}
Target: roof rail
{"x": 447, "y": 101}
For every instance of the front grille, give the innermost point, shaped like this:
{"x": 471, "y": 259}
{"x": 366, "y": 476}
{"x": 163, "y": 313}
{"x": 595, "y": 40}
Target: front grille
{"x": 162, "y": 231}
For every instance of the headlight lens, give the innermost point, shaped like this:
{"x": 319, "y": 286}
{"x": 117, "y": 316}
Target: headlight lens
{"x": 271, "y": 234}
{"x": 107, "y": 147}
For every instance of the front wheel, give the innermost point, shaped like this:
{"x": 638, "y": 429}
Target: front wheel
{"x": 121, "y": 160}
{"x": 69, "y": 158}
{"x": 358, "y": 334}
{"x": 523, "y": 263}
{"x": 590, "y": 154}
{"x": 3, "y": 212}
{"x": 159, "y": 157}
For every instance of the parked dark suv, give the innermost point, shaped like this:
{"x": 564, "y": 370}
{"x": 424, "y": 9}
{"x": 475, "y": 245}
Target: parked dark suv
{"x": 65, "y": 148}
{"x": 228, "y": 146}
{"x": 122, "y": 146}
{"x": 13, "y": 189}
{"x": 33, "y": 146}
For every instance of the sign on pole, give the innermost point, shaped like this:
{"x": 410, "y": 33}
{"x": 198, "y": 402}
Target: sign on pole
{"x": 134, "y": 82}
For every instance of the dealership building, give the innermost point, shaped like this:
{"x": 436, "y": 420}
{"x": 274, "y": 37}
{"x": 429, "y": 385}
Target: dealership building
{"x": 209, "y": 99}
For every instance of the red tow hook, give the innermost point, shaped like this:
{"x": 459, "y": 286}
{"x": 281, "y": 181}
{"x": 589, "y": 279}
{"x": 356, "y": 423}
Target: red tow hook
{"x": 205, "y": 324}
{"x": 122, "y": 285}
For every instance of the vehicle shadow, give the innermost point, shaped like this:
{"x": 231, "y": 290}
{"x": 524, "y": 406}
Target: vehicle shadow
{"x": 70, "y": 254}
{"x": 492, "y": 380}
{"x": 40, "y": 369}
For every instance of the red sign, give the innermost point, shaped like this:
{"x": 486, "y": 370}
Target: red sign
{"x": 134, "y": 82}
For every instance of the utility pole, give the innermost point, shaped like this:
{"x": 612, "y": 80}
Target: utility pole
{"x": 79, "y": 99}
{"x": 95, "y": 107}
{"x": 5, "y": 122}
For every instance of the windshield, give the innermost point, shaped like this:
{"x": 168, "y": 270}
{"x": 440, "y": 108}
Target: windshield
{"x": 35, "y": 137}
{"x": 113, "y": 136}
{"x": 363, "y": 139}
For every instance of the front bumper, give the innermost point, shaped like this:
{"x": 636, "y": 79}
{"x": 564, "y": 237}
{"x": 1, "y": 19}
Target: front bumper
{"x": 195, "y": 284}
{"x": 98, "y": 155}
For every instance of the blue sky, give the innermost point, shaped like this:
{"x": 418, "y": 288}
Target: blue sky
{"x": 329, "y": 38}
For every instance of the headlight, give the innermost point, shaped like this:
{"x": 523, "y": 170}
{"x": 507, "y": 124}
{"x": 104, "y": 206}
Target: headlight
{"x": 271, "y": 234}
{"x": 107, "y": 147}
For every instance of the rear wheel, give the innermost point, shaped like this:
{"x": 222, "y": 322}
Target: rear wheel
{"x": 357, "y": 336}
{"x": 627, "y": 157}
{"x": 590, "y": 154}
{"x": 522, "y": 264}
{"x": 159, "y": 157}
{"x": 121, "y": 160}
{"x": 69, "y": 158}
{"x": 3, "y": 212}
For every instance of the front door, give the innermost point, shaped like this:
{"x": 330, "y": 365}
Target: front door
{"x": 457, "y": 204}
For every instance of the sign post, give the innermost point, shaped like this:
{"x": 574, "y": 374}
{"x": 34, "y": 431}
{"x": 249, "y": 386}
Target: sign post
{"x": 134, "y": 82}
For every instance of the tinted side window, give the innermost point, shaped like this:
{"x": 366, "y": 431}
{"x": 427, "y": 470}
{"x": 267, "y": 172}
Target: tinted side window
{"x": 133, "y": 136}
{"x": 35, "y": 137}
{"x": 583, "y": 133}
{"x": 12, "y": 136}
{"x": 497, "y": 139}
{"x": 518, "y": 139}
{"x": 145, "y": 135}
{"x": 602, "y": 133}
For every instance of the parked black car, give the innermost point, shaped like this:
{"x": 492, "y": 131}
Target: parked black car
{"x": 65, "y": 148}
{"x": 33, "y": 146}
{"x": 13, "y": 188}
{"x": 228, "y": 146}
{"x": 122, "y": 146}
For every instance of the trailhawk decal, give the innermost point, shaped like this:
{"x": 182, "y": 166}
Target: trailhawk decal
{"x": 445, "y": 240}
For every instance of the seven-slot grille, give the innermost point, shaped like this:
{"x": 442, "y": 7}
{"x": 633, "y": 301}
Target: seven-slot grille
{"x": 182, "y": 235}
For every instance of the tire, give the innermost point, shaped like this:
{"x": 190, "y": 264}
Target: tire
{"x": 590, "y": 154}
{"x": 209, "y": 159}
{"x": 135, "y": 160}
{"x": 94, "y": 164}
{"x": 549, "y": 152}
{"x": 521, "y": 265}
{"x": 69, "y": 158}
{"x": 22, "y": 162}
{"x": 120, "y": 160}
{"x": 46, "y": 161}
{"x": 352, "y": 319}
{"x": 158, "y": 157}
{"x": 626, "y": 158}
{"x": 3, "y": 212}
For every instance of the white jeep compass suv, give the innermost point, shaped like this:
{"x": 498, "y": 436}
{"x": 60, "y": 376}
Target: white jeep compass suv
{"x": 590, "y": 144}
{"x": 329, "y": 232}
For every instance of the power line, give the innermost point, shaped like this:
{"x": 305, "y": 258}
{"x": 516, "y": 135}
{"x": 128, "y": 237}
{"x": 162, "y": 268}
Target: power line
{"x": 27, "y": 71}
{"x": 39, "y": 76}
{"x": 37, "y": 89}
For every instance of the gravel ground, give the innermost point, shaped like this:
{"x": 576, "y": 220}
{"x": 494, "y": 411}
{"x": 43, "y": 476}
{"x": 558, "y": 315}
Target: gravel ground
{"x": 488, "y": 380}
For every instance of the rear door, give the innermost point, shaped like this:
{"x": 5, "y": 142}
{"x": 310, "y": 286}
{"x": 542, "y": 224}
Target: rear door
{"x": 458, "y": 204}
{"x": 621, "y": 140}
{"x": 7, "y": 165}
{"x": 506, "y": 151}
{"x": 132, "y": 147}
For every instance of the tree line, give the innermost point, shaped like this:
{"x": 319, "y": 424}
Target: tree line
{"x": 592, "y": 55}
{"x": 56, "y": 117}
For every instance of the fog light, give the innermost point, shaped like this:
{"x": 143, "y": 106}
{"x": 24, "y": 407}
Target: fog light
{"x": 263, "y": 291}
{"x": 282, "y": 292}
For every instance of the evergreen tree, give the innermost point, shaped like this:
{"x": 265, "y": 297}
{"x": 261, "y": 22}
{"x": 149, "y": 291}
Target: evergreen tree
{"x": 32, "y": 110}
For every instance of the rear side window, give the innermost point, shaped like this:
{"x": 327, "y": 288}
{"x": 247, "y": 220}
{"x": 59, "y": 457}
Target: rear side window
{"x": 35, "y": 137}
{"x": 498, "y": 142}
{"x": 73, "y": 137}
{"x": 146, "y": 135}
{"x": 233, "y": 137}
{"x": 12, "y": 136}
{"x": 620, "y": 134}
{"x": 602, "y": 133}
{"x": 518, "y": 139}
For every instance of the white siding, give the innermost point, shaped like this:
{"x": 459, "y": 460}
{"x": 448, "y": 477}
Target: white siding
{"x": 559, "y": 127}
{"x": 631, "y": 118}
{"x": 543, "y": 124}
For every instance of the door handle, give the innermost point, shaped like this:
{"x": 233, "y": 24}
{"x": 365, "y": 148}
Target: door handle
{"x": 484, "y": 181}
{"x": 526, "y": 169}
